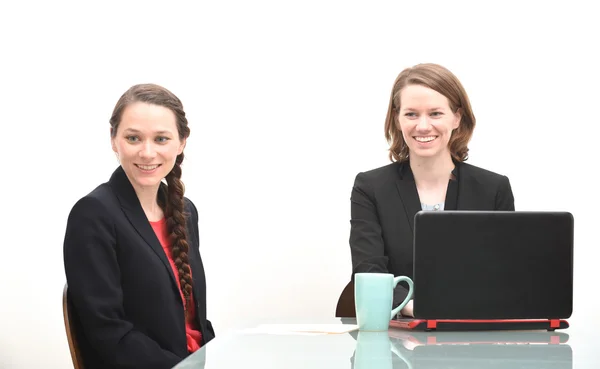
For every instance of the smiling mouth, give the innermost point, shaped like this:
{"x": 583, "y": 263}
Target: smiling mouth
{"x": 425, "y": 139}
{"x": 148, "y": 167}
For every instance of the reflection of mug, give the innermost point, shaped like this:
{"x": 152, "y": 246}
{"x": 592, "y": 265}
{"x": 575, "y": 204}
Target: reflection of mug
{"x": 373, "y": 351}
{"x": 373, "y": 296}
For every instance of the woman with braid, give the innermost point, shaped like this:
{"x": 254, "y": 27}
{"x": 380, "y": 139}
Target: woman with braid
{"x": 135, "y": 278}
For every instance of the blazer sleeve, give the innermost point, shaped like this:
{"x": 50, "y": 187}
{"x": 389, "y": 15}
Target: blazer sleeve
{"x": 366, "y": 240}
{"x": 504, "y": 197}
{"x": 210, "y": 331}
{"x": 93, "y": 277}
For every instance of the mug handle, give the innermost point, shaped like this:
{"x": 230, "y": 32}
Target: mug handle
{"x": 408, "y": 297}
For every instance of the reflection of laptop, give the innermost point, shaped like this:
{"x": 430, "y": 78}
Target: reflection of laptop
{"x": 498, "y": 349}
{"x": 484, "y": 349}
{"x": 484, "y": 270}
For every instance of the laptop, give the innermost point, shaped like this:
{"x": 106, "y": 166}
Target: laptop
{"x": 486, "y": 270}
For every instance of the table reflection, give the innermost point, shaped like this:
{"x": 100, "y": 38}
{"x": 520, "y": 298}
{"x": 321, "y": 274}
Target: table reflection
{"x": 490, "y": 350}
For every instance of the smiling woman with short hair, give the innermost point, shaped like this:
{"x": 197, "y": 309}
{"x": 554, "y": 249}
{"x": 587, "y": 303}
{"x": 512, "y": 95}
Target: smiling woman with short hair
{"x": 428, "y": 126}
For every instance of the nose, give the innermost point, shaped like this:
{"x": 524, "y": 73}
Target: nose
{"x": 423, "y": 124}
{"x": 147, "y": 150}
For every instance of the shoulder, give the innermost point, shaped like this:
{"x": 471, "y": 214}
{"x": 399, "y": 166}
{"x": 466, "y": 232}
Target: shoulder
{"x": 378, "y": 176}
{"x": 484, "y": 176}
{"x": 191, "y": 216}
{"x": 91, "y": 221}
{"x": 190, "y": 209}
{"x": 97, "y": 202}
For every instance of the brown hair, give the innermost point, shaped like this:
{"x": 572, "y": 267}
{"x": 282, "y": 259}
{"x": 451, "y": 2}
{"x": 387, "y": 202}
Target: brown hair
{"x": 439, "y": 79}
{"x": 171, "y": 200}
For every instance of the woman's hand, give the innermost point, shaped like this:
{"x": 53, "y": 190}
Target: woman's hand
{"x": 408, "y": 309}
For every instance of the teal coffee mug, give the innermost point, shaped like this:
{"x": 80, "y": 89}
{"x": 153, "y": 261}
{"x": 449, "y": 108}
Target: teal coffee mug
{"x": 373, "y": 296}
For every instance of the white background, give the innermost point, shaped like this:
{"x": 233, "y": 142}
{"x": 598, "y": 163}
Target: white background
{"x": 286, "y": 102}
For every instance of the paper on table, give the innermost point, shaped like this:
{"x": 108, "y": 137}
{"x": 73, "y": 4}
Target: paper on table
{"x": 306, "y": 329}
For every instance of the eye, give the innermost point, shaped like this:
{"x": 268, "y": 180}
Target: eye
{"x": 162, "y": 139}
{"x": 437, "y": 114}
{"x": 410, "y": 114}
{"x": 132, "y": 139}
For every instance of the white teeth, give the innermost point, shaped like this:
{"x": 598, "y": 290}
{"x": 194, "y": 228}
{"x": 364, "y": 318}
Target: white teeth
{"x": 147, "y": 167}
{"x": 425, "y": 139}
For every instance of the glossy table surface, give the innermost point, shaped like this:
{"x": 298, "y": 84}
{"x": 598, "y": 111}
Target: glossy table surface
{"x": 395, "y": 348}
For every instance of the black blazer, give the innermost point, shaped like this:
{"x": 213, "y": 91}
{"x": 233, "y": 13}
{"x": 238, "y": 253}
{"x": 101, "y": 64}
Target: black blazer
{"x": 384, "y": 202}
{"x": 127, "y": 305}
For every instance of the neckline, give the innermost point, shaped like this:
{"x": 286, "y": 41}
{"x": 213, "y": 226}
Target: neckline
{"x": 161, "y": 221}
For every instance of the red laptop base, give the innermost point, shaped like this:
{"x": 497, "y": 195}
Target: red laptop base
{"x": 478, "y": 325}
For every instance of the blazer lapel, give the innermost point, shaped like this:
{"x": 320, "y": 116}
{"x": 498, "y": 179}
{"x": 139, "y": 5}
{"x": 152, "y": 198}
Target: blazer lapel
{"x": 453, "y": 190}
{"x": 407, "y": 189}
{"x": 132, "y": 208}
{"x": 471, "y": 193}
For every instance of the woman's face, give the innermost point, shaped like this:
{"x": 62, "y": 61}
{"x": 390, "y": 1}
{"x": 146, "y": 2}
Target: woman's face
{"x": 426, "y": 121}
{"x": 147, "y": 143}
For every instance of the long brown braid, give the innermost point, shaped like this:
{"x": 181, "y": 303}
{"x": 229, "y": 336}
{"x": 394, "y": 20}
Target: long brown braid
{"x": 170, "y": 198}
{"x": 174, "y": 214}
